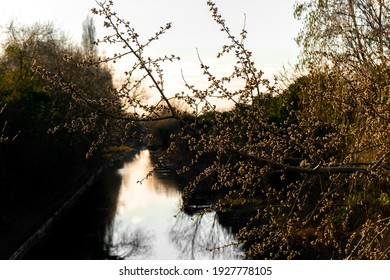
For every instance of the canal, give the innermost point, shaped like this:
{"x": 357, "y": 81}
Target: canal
{"x": 129, "y": 217}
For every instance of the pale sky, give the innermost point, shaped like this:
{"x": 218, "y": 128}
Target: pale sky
{"x": 270, "y": 24}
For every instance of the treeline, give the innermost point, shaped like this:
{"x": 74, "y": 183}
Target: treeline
{"x": 47, "y": 133}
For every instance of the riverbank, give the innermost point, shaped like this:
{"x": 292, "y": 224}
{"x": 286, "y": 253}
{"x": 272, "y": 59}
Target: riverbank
{"x": 23, "y": 225}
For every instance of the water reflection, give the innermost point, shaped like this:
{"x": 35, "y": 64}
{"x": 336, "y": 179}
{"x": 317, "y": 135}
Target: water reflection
{"x": 203, "y": 237}
{"x": 149, "y": 209}
{"x": 123, "y": 243}
{"x": 123, "y": 219}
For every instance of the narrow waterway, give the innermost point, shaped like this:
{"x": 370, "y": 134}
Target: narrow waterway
{"x": 132, "y": 217}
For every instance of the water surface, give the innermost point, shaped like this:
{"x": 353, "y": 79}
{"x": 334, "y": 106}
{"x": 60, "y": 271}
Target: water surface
{"x": 127, "y": 216}
{"x": 148, "y": 212}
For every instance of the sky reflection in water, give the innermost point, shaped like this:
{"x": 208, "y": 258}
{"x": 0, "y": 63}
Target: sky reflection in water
{"x": 148, "y": 224}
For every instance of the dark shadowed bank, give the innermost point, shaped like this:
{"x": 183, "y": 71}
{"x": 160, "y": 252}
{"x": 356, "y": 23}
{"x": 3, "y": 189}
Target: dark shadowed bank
{"x": 26, "y": 223}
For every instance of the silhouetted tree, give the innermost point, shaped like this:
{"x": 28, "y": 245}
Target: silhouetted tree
{"x": 89, "y": 36}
